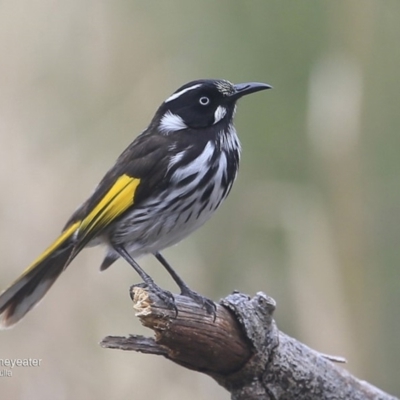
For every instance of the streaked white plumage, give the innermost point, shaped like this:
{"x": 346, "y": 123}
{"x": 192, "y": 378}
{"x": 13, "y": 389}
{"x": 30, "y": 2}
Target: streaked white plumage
{"x": 229, "y": 140}
{"x": 175, "y": 159}
{"x": 162, "y": 222}
{"x": 198, "y": 165}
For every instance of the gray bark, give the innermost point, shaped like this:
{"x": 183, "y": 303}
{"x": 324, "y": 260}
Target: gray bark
{"x": 242, "y": 349}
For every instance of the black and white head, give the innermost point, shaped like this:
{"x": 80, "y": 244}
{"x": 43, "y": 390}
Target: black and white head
{"x": 202, "y": 104}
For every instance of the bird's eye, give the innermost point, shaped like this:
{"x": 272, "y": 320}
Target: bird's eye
{"x": 204, "y": 101}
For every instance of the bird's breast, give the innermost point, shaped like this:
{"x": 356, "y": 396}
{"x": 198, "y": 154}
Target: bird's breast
{"x": 196, "y": 189}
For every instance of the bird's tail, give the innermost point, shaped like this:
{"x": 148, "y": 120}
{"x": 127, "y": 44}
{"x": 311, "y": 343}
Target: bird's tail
{"x": 36, "y": 280}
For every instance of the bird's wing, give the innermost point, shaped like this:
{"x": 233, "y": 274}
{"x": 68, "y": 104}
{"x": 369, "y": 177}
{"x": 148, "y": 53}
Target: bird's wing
{"x": 138, "y": 172}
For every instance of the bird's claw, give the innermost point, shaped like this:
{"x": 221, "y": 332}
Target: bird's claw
{"x": 205, "y": 303}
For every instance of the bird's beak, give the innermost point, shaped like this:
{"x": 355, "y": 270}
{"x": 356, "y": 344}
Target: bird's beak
{"x": 243, "y": 89}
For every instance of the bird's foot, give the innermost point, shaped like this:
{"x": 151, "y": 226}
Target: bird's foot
{"x": 205, "y": 303}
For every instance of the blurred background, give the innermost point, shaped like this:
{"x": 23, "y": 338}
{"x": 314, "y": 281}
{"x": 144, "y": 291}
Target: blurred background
{"x": 313, "y": 220}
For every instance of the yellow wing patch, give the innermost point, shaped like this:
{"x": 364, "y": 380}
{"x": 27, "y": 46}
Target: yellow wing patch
{"x": 117, "y": 200}
{"x": 60, "y": 240}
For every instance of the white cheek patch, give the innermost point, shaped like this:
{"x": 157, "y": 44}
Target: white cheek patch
{"x": 220, "y": 113}
{"x": 171, "y": 123}
{"x": 178, "y": 94}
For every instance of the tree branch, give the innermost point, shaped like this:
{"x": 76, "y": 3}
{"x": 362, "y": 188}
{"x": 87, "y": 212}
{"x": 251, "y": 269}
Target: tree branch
{"x": 243, "y": 350}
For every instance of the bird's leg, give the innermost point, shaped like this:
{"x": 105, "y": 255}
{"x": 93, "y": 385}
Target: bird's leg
{"x": 164, "y": 295}
{"x": 208, "y": 304}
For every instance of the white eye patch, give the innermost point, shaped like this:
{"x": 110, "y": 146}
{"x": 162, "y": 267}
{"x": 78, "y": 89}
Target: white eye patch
{"x": 171, "y": 122}
{"x": 219, "y": 113}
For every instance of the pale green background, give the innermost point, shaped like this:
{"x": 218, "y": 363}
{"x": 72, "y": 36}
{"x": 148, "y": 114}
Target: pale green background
{"x": 313, "y": 220}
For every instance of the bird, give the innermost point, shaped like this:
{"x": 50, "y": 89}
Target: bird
{"x": 166, "y": 184}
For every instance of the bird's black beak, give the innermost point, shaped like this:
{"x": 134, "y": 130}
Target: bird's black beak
{"x": 243, "y": 89}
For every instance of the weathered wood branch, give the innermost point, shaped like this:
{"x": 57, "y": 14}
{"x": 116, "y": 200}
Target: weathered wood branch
{"x": 243, "y": 350}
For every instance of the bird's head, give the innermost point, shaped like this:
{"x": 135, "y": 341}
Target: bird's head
{"x": 201, "y": 104}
